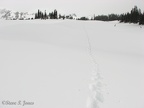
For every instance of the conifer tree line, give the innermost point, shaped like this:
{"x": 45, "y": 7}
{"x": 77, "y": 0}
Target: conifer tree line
{"x": 110, "y": 17}
{"x": 44, "y": 15}
{"x": 52, "y": 15}
{"x": 135, "y": 16}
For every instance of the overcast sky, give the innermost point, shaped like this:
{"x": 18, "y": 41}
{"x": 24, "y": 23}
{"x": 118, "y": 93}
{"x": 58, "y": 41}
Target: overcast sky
{"x": 80, "y": 7}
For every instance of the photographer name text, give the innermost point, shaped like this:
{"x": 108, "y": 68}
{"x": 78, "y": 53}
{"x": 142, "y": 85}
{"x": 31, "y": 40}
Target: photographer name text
{"x": 20, "y": 102}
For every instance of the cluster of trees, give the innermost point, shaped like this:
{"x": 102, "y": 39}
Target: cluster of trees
{"x": 71, "y": 16}
{"x": 135, "y": 16}
{"x": 141, "y": 21}
{"x": 61, "y": 16}
{"x": 110, "y": 17}
{"x": 83, "y": 18}
{"x": 53, "y": 15}
{"x": 44, "y": 15}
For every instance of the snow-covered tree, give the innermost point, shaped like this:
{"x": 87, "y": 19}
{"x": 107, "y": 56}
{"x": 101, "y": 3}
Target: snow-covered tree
{"x": 16, "y": 15}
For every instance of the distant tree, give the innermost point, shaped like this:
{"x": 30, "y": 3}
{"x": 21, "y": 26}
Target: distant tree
{"x": 133, "y": 17}
{"x": 83, "y": 18}
{"x": 141, "y": 22}
{"x": 36, "y": 15}
{"x": 55, "y": 14}
{"x": 51, "y": 15}
{"x": 63, "y": 17}
{"x": 112, "y": 17}
{"x": 16, "y": 15}
{"x": 7, "y": 15}
{"x": 67, "y": 16}
{"x": 21, "y": 16}
{"x": 60, "y": 16}
{"x": 41, "y": 15}
{"x": 70, "y": 17}
{"x": 101, "y": 17}
{"x": 45, "y": 15}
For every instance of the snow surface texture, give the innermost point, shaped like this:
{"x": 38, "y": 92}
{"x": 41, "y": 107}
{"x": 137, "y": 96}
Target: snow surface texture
{"x": 96, "y": 85}
{"x": 71, "y": 64}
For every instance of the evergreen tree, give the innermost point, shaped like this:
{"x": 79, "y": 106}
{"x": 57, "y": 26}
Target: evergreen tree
{"x": 60, "y": 16}
{"x": 16, "y": 15}
{"x": 45, "y": 15}
{"x": 42, "y": 16}
{"x": 101, "y": 18}
{"x": 112, "y": 17}
{"x": 83, "y": 18}
{"x": 141, "y": 22}
{"x": 38, "y": 16}
{"x": 134, "y": 16}
{"x": 55, "y": 14}
{"x": 51, "y": 15}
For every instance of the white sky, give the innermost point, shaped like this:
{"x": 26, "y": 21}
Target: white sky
{"x": 80, "y": 7}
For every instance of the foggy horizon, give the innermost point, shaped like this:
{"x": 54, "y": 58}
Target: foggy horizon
{"x": 79, "y": 7}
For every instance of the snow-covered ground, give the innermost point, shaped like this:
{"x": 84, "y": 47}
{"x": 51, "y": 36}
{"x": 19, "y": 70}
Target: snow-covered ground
{"x": 56, "y": 63}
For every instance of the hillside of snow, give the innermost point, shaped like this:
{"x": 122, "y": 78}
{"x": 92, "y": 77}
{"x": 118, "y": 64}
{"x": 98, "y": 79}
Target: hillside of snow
{"x": 71, "y": 64}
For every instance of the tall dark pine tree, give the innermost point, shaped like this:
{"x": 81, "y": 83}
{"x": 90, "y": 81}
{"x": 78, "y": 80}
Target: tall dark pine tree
{"x": 134, "y": 15}
{"x": 38, "y": 14}
{"x": 55, "y": 14}
{"x": 42, "y": 15}
{"x": 52, "y": 15}
{"x": 141, "y": 22}
{"x": 45, "y": 15}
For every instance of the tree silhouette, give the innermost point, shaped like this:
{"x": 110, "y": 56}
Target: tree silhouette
{"x": 55, "y": 14}
{"x": 135, "y": 16}
{"x": 141, "y": 22}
